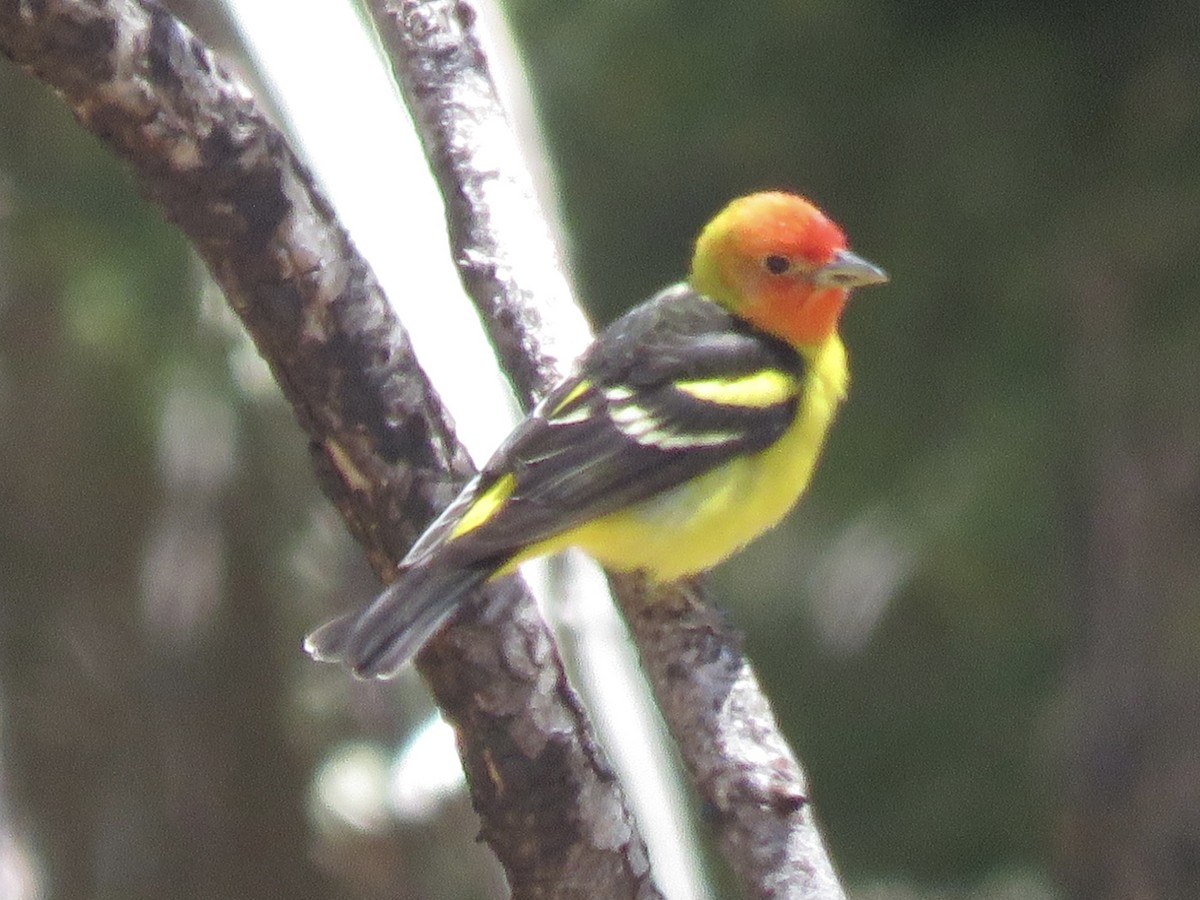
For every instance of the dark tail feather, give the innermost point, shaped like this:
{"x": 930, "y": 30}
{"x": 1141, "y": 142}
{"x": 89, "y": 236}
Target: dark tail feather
{"x": 377, "y": 641}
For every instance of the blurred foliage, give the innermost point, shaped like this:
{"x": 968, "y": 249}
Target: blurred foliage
{"x": 914, "y": 621}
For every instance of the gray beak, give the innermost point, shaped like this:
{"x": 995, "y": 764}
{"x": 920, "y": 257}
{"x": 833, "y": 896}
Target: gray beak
{"x": 848, "y": 270}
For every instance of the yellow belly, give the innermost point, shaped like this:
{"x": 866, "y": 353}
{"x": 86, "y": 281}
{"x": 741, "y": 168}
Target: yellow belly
{"x": 696, "y": 525}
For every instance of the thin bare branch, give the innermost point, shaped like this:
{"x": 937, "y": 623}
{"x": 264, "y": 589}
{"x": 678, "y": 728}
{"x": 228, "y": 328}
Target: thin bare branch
{"x": 506, "y": 258}
{"x": 202, "y": 148}
{"x": 729, "y": 739}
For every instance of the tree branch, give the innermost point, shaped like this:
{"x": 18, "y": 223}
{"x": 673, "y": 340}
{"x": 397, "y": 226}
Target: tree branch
{"x": 730, "y": 742}
{"x": 203, "y": 150}
{"x": 506, "y": 258}
{"x": 723, "y": 724}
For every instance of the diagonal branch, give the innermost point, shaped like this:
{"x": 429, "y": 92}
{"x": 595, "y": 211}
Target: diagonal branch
{"x": 730, "y": 742}
{"x": 202, "y": 149}
{"x": 717, "y": 714}
{"x": 506, "y": 257}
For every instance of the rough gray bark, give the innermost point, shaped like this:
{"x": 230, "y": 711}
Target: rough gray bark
{"x": 743, "y": 768}
{"x": 202, "y": 149}
{"x": 506, "y": 258}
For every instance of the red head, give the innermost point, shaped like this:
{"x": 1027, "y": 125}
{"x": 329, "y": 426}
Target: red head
{"x": 778, "y": 262}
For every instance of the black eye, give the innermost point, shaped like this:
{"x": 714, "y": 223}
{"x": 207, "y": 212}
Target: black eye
{"x": 776, "y": 264}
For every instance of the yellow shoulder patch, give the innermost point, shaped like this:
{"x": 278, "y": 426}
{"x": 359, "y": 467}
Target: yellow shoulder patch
{"x": 485, "y": 505}
{"x": 574, "y": 394}
{"x": 758, "y": 390}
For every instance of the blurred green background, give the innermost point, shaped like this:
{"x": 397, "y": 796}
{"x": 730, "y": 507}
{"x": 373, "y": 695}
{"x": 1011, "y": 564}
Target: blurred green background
{"x": 982, "y": 628}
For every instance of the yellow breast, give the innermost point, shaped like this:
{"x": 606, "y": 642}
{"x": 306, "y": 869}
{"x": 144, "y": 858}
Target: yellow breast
{"x": 695, "y": 526}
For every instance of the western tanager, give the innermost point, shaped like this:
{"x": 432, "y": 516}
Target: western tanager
{"x": 689, "y": 427}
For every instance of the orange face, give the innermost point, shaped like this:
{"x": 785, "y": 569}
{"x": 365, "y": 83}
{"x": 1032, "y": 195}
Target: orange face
{"x": 777, "y": 261}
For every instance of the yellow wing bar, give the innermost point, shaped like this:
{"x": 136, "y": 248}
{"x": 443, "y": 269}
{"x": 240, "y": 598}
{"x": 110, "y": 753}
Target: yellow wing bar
{"x": 758, "y": 390}
{"x": 485, "y": 505}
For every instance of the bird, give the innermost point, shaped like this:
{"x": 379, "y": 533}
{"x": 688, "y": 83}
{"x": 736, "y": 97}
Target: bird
{"x": 690, "y": 426}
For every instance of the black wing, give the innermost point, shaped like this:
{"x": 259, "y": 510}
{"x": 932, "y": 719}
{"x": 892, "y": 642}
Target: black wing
{"x": 634, "y": 422}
